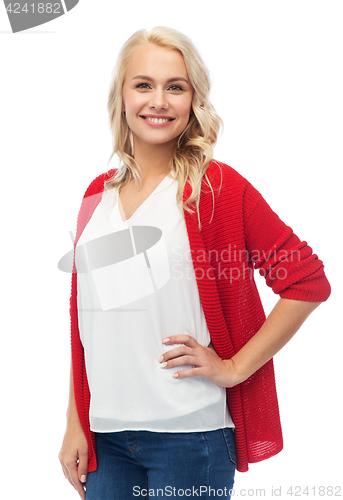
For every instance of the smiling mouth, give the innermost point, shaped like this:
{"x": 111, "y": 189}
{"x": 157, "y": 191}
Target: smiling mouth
{"x": 157, "y": 120}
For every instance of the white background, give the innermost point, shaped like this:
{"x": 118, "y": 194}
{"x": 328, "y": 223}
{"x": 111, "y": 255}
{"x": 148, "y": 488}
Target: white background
{"x": 277, "y": 84}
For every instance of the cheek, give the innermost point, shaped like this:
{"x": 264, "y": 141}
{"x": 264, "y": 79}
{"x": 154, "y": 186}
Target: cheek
{"x": 184, "y": 109}
{"x": 133, "y": 103}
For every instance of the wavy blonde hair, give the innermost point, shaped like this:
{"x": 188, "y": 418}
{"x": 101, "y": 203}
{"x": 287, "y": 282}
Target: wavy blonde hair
{"x": 194, "y": 149}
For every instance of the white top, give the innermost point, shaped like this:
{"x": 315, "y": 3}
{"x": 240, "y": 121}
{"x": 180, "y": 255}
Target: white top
{"x": 144, "y": 292}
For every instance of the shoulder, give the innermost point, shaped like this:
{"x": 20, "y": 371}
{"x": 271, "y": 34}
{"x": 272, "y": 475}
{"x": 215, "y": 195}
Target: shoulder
{"x": 97, "y": 185}
{"x": 224, "y": 176}
{"x": 218, "y": 170}
{"x": 91, "y": 199}
{"x": 228, "y": 184}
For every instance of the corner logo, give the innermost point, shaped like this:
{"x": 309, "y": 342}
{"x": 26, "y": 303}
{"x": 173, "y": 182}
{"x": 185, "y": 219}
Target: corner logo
{"x": 25, "y": 15}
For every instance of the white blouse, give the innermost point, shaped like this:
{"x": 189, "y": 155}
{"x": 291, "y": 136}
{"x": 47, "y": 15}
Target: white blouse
{"x": 143, "y": 290}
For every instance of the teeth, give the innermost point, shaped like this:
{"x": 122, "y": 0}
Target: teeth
{"x": 157, "y": 120}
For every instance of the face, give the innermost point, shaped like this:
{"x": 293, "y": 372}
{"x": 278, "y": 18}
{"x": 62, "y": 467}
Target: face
{"x": 157, "y": 96}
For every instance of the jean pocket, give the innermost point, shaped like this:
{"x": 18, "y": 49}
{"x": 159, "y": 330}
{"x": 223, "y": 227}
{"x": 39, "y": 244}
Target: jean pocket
{"x": 229, "y": 436}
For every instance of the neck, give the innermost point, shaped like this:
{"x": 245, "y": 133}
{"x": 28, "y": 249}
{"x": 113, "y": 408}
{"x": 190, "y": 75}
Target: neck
{"x": 153, "y": 160}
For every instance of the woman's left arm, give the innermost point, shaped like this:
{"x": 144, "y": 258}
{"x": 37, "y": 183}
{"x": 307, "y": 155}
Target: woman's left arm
{"x": 282, "y": 323}
{"x": 290, "y": 269}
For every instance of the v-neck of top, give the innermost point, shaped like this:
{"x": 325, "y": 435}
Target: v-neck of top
{"x": 161, "y": 185}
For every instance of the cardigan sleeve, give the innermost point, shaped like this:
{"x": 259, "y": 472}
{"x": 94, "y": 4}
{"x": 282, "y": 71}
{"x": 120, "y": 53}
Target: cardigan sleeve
{"x": 288, "y": 264}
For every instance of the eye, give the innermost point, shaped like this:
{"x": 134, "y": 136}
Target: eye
{"x": 176, "y": 88}
{"x": 142, "y": 86}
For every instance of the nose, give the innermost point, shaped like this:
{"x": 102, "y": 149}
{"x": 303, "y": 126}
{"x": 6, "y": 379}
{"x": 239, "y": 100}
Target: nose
{"x": 159, "y": 99}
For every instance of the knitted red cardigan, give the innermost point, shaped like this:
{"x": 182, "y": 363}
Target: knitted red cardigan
{"x": 244, "y": 234}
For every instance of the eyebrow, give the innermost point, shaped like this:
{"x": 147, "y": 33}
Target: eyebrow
{"x": 147, "y": 78}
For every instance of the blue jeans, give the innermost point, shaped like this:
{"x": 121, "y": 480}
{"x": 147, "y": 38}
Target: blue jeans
{"x": 144, "y": 464}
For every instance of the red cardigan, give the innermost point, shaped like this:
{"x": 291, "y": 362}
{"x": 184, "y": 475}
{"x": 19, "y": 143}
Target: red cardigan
{"x": 245, "y": 234}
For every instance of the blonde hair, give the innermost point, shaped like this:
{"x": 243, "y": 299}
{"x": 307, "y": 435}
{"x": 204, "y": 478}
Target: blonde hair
{"x": 194, "y": 149}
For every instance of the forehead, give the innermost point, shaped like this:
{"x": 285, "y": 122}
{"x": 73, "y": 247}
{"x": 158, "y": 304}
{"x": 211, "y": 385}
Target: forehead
{"x": 156, "y": 62}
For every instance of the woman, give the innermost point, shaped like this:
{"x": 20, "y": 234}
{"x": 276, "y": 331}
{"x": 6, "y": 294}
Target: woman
{"x": 172, "y": 383}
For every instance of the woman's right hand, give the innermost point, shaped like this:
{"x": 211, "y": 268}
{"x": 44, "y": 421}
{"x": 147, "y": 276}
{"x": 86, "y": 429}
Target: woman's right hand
{"x": 74, "y": 457}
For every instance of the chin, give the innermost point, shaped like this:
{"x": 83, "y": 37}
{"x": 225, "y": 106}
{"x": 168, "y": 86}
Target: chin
{"x": 155, "y": 141}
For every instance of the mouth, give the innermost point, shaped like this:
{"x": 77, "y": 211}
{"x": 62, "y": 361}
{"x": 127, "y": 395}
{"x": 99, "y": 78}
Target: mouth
{"x": 157, "y": 119}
